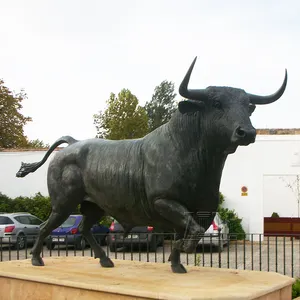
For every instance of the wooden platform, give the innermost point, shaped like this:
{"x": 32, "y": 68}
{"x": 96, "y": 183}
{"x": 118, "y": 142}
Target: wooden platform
{"x": 69, "y": 278}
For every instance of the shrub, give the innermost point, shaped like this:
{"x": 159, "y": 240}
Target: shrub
{"x": 296, "y": 289}
{"x": 37, "y": 205}
{"x": 5, "y": 203}
{"x": 198, "y": 260}
{"x": 106, "y": 221}
{"x": 275, "y": 215}
{"x": 40, "y": 206}
{"x": 233, "y": 221}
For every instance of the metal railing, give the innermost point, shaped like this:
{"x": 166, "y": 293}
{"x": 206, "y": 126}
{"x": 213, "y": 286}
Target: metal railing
{"x": 256, "y": 252}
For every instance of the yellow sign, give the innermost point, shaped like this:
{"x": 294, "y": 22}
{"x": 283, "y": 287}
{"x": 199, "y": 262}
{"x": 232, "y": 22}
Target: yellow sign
{"x": 244, "y": 191}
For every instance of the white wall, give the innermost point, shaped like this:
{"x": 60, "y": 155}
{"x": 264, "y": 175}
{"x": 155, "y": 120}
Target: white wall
{"x": 10, "y": 163}
{"x": 259, "y": 166}
{"x": 280, "y": 195}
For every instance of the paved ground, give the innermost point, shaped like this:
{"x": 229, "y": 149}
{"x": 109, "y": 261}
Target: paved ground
{"x": 275, "y": 255}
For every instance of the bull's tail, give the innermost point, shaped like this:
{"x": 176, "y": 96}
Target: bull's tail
{"x": 32, "y": 167}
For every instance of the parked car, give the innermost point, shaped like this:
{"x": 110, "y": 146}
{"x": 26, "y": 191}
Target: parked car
{"x": 211, "y": 236}
{"x": 68, "y": 234}
{"x": 139, "y": 235}
{"x": 18, "y": 229}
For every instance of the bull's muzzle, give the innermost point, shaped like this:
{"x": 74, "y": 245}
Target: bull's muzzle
{"x": 244, "y": 136}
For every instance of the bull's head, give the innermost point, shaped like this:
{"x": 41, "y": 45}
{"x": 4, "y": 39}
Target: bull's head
{"x": 225, "y": 111}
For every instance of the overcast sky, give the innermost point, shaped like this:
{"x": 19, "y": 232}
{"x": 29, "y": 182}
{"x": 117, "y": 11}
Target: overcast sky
{"x": 70, "y": 55}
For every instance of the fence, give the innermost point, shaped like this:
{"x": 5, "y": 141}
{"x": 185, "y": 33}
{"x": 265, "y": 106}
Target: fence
{"x": 282, "y": 226}
{"x": 279, "y": 254}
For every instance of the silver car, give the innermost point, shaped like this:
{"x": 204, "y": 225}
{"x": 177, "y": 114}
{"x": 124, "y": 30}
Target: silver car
{"x": 211, "y": 236}
{"x": 18, "y": 229}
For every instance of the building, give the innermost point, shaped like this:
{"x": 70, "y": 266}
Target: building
{"x": 10, "y": 162}
{"x": 269, "y": 169}
{"x": 257, "y": 180}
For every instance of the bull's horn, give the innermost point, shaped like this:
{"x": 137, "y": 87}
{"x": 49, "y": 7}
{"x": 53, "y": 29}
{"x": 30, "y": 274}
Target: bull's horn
{"x": 255, "y": 99}
{"x": 199, "y": 94}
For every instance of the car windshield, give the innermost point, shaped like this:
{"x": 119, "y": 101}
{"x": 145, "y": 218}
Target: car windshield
{"x": 69, "y": 222}
{"x": 5, "y": 221}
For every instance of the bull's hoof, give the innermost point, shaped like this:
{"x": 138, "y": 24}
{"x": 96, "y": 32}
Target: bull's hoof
{"x": 37, "y": 261}
{"x": 179, "y": 269}
{"x": 106, "y": 262}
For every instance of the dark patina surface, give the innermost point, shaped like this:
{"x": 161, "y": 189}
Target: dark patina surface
{"x": 164, "y": 179}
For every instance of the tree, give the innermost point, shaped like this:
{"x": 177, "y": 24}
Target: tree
{"x": 36, "y": 144}
{"x": 234, "y": 223}
{"x": 11, "y": 120}
{"x": 162, "y": 105}
{"x": 123, "y": 118}
{"x": 295, "y": 188}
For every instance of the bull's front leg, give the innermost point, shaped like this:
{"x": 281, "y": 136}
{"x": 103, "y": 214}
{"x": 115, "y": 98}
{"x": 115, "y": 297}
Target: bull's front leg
{"x": 181, "y": 218}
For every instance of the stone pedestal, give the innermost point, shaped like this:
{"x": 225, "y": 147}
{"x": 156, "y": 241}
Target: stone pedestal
{"x": 69, "y": 278}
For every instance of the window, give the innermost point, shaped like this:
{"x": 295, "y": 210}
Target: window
{"x": 23, "y": 220}
{"x": 5, "y": 221}
{"x": 69, "y": 222}
{"x": 34, "y": 220}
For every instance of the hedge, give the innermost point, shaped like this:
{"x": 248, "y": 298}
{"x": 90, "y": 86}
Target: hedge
{"x": 37, "y": 205}
{"x": 40, "y": 206}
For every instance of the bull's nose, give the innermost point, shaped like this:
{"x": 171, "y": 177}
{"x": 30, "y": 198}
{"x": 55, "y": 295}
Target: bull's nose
{"x": 244, "y": 136}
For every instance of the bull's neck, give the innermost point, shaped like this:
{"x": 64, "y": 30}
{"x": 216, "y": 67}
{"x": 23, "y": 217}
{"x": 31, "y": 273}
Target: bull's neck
{"x": 191, "y": 137}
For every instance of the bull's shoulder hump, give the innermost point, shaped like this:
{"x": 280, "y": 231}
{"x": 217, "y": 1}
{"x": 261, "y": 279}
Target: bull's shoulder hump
{"x": 111, "y": 147}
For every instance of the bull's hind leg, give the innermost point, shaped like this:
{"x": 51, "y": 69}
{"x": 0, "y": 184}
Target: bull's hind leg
{"x": 55, "y": 219}
{"x": 91, "y": 214}
{"x": 66, "y": 192}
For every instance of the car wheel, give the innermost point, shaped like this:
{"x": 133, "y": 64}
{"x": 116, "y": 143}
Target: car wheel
{"x": 226, "y": 239}
{"x": 50, "y": 245}
{"x": 153, "y": 243}
{"x": 228, "y": 243}
{"x": 81, "y": 245}
{"x": 161, "y": 240}
{"x": 113, "y": 247}
{"x": 20, "y": 241}
{"x": 220, "y": 247}
{"x": 103, "y": 241}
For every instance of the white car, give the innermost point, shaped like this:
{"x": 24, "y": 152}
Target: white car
{"x": 18, "y": 229}
{"x": 211, "y": 236}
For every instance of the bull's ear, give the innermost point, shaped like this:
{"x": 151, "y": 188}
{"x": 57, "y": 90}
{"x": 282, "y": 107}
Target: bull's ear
{"x": 251, "y": 108}
{"x": 190, "y": 106}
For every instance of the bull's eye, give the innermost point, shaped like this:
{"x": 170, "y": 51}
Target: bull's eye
{"x": 251, "y": 108}
{"x": 217, "y": 104}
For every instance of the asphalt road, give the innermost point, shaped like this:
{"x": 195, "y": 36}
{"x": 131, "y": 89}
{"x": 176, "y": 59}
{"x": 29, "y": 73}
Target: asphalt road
{"x": 278, "y": 256}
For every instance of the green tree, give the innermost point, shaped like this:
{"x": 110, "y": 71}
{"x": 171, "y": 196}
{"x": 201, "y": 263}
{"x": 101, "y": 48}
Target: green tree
{"x": 234, "y": 223}
{"x": 162, "y": 105}
{"x": 123, "y": 118}
{"x": 11, "y": 120}
{"x": 36, "y": 144}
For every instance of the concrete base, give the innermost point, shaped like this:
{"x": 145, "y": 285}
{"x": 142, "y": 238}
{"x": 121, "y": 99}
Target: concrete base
{"x": 69, "y": 278}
